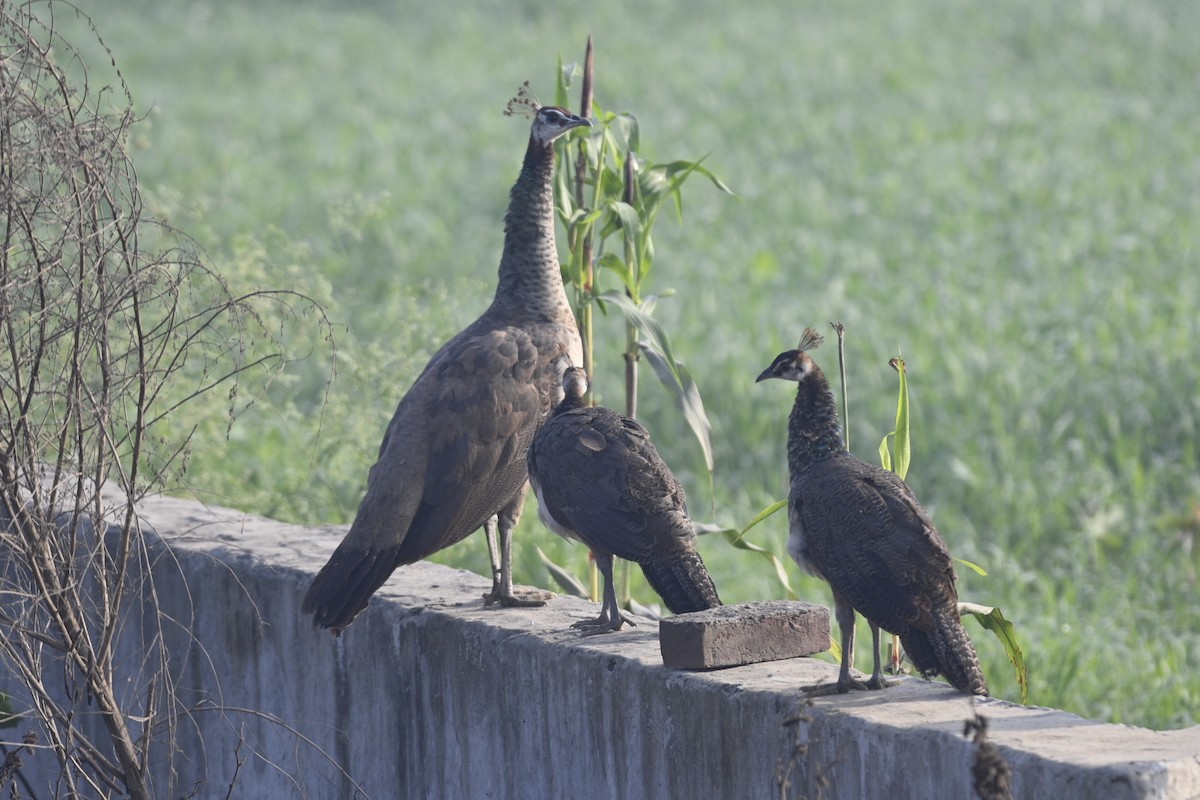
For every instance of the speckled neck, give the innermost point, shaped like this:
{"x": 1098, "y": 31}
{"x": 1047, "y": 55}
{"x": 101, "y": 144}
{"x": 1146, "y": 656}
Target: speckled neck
{"x": 814, "y": 429}
{"x": 568, "y": 404}
{"x": 530, "y": 285}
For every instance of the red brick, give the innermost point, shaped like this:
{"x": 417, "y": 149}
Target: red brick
{"x": 746, "y": 633}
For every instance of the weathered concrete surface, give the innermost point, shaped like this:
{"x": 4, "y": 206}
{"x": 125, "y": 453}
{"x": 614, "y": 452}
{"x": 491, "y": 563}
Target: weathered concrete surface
{"x": 430, "y": 695}
{"x": 745, "y": 633}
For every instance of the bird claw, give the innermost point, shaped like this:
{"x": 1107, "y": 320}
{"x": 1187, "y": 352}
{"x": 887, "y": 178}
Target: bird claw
{"x": 602, "y": 624}
{"x": 845, "y": 687}
{"x": 595, "y": 630}
{"x": 822, "y": 689}
{"x": 860, "y": 686}
{"x": 878, "y": 682}
{"x": 526, "y": 598}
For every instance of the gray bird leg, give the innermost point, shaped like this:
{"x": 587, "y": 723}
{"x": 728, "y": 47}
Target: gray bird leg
{"x": 501, "y": 558}
{"x": 611, "y": 618}
{"x": 493, "y": 546}
{"x": 844, "y": 613}
{"x": 877, "y": 680}
{"x": 845, "y": 618}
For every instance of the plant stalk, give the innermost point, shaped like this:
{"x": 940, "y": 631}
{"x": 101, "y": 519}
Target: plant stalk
{"x": 589, "y": 284}
{"x": 840, "y": 329}
{"x": 631, "y": 345}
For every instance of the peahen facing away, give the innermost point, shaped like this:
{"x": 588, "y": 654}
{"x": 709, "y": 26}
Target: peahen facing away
{"x": 599, "y": 479}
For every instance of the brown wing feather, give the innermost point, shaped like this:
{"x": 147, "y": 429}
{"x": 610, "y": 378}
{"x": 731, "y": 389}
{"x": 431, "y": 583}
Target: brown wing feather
{"x": 453, "y": 455}
{"x": 601, "y": 480}
{"x": 481, "y": 417}
{"x": 875, "y": 544}
{"x": 602, "y": 477}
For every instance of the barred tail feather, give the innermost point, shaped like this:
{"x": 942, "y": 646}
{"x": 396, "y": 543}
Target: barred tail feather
{"x": 946, "y": 651}
{"x": 684, "y": 583}
{"x": 959, "y": 662}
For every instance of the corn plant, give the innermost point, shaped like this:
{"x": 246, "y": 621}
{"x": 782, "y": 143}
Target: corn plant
{"x": 609, "y": 199}
{"x": 897, "y": 458}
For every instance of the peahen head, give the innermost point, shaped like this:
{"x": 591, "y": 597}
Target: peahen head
{"x": 575, "y": 383}
{"x": 794, "y": 365}
{"x": 549, "y": 122}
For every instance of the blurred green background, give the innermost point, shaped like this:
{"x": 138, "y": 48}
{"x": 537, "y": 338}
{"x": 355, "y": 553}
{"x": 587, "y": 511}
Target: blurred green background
{"x": 1005, "y": 193}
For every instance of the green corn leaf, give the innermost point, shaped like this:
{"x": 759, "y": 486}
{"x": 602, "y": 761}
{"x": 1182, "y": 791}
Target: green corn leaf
{"x": 903, "y": 442}
{"x": 614, "y": 262}
{"x": 687, "y": 396}
{"x": 624, "y": 217}
{"x": 972, "y": 566}
{"x": 737, "y": 539}
{"x": 766, "y": 512}
{"x": 633, "y": 133}
{"x": 564, "y": 199}
{"x": 612, "y": 187}
{"x": 563, "y": 577}
{"x": 885, "y": 455}
{"x": 622, "y": 129}
{"x": 709, "y": 528}
{"x": 706, "y": 528}
{"x": 666, "y": 179}
{"x": 697, "y": 166}
{"x": 991, "y": 619}
{"x": 645, "y": 323}
{"x": 589, "y": 218}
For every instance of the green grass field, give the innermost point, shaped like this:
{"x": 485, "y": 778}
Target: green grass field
{"x": 1006, "y": 193}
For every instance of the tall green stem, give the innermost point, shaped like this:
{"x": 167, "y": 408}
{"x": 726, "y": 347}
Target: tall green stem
{"x": 631, "y": 338}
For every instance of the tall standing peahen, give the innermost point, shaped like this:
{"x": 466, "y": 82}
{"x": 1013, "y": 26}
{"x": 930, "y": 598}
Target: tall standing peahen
{"x": 453, "y": 457}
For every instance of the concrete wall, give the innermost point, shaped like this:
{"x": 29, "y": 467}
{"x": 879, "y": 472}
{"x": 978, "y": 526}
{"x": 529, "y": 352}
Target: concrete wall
{"x": 430, "y": 695}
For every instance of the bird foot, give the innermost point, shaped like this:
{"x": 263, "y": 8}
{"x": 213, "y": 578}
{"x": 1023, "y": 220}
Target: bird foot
{"x": 844, "y": 687}
{"x": 523, "y": 598}
{"x": 602, "y": 624}
{"x": 879, "y": 682}
{"x": 822, "y": 689}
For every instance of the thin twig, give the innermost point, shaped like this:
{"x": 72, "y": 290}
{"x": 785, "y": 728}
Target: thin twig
{"x": 840, "y": 329}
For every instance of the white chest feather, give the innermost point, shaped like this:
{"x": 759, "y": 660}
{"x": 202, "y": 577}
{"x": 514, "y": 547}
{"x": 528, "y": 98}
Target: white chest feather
{"x": 548, "y": 519}
{"x": 796, "y": 544}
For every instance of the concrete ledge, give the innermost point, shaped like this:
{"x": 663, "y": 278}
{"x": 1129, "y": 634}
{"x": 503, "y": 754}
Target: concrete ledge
{"x": 431, "y": 695}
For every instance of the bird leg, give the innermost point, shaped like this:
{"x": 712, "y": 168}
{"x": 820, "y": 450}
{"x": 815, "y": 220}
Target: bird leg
{"x": 493, "y": 546}
{"x": 611, "y": 618}
{"x": 844, "y": 612}
{"x": 501, "y": 558}
{"x": 845, "y": 618}
{"x": 877, "y": 680}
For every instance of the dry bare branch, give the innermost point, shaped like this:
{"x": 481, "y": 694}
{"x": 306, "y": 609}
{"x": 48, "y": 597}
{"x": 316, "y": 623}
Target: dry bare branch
{"x": 110, "y": 326}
